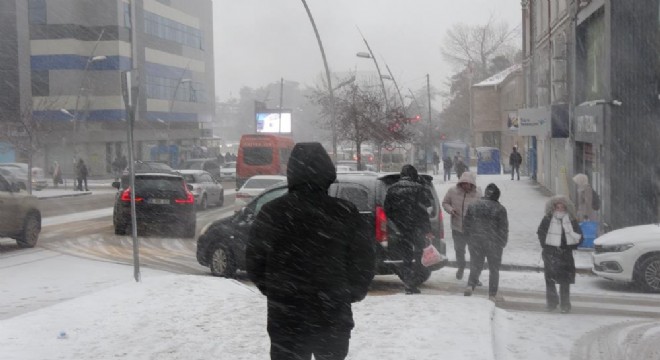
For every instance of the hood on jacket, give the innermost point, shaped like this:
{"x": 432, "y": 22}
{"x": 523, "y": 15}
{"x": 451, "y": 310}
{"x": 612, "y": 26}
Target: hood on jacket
{"x": 409, "y": 171}
{"x": 550, "y": 205}
{"x": 310, "y": 167}
{"x": 581, "y": 180}
{"x": 492, "y": 192}
{"x": 468, "y": 177}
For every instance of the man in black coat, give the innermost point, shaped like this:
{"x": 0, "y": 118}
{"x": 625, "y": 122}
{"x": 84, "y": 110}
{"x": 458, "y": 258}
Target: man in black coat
{"x": 312, "y": 256}
{"x": 406, "y": 204}
{"x": 486, "y": 226}
{"x": 515, "y": 159}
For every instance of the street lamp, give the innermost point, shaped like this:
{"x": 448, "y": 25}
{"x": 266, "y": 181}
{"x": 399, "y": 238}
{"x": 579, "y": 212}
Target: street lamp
{"x": 171, "y": 108}
{"x": 370, "y": 55}
{"x": 75, "y": 117}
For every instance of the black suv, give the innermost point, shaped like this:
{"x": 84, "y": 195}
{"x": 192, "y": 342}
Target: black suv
{"x": 221, "y": 246}
{"x": 162, "y": 201}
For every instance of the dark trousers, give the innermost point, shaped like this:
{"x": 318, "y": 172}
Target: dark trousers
{"x": 551, "y": 297}
{"x": 299, "y": 331}
{"x": 460, "y": 243}
{"x": 410, "y": 253}
{"x": 516, "y": 169}
{"x": 79, "y": 186}
{"x": 447, "y": 175}
{"x": 477, "y": 256}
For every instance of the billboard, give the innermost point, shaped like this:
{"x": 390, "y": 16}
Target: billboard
{"x": 269, "y": 122}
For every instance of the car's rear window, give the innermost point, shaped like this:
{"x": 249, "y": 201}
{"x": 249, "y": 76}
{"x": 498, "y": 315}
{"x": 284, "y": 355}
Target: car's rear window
{"x": 261, "y": 183}
{"x": 194, "y": 165}
{"x": 257, "y": 155}
{"x": 189, "y": 178}
{"x": 158, "y": 183}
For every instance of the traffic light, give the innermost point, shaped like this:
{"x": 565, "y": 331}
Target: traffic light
{"x": 413, "y": 119}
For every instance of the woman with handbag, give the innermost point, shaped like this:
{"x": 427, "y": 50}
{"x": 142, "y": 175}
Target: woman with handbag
{"x": 559, "y": 234}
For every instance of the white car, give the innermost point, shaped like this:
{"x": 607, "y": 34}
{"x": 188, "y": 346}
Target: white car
{"x": 228, "y": 170}
{"x": 255, "y": 186}
{"x": 630, "y": 254}
{"x": 205, "y": 189}
{"x": 20, "y": 173}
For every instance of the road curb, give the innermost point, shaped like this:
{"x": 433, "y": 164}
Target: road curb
{"x": 65, "y": 195}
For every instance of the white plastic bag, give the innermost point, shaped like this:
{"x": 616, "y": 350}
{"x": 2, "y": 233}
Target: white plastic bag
{"x": 431, "y": 256}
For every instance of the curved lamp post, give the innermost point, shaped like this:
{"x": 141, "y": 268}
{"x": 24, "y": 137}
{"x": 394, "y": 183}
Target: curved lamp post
{"x": 171, "y": 108}
{"x": 330, "y": 89}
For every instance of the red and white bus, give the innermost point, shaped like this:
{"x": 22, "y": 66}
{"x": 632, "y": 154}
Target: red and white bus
{"x": 261, "y": 154}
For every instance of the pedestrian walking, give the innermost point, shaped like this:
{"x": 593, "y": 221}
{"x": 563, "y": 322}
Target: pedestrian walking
{"x": 487, "y": 227}
{"x": 57, "y": 174}
{"x": 456, "y": 202}
{"x": 406, "y": 204}
{"x": 559, "y": 234}
{"x": 515, "y": 159}
{"x": 81, "y": 175}
{"x": 447, "y": 164}
{"x": 585, "y": 199}
{"x": 436, "y": 163}
{"x": 459, "y": 165}
{"x": 311, "y": 255}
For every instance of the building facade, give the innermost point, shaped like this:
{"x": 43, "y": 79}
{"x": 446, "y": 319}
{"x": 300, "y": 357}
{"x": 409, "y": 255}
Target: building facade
{"x": 601, "y": 114}
{"x": 495, "y": 104}
{"x": 72, "y": 77}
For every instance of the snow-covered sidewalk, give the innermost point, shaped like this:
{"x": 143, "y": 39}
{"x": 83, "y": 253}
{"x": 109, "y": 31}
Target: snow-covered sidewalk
{"x": 99, "y": 312}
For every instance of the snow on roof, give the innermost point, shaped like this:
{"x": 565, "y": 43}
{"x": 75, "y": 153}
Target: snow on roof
{"x": 499, "y": 78}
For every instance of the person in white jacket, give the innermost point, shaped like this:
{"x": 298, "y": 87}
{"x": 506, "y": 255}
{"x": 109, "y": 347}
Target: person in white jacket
{"x": 456, "y": 203}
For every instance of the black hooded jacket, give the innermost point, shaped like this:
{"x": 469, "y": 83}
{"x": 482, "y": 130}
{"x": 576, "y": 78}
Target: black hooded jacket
{"x": 486, "y": 221}
{"x": 407, "y": 201}
{"x": 307, "y": 249}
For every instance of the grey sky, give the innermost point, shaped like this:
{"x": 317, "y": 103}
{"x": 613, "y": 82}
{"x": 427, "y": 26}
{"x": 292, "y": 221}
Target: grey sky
{"x": 259, "y": 41}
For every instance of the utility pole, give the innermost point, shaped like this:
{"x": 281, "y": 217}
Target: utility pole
{"x": 428, "y": 146}
{"x": 281, "y": 101}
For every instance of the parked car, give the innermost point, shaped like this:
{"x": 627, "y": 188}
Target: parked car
{"x": 221, "y": 245}
{"x": 162, "y": 200}
{"x": 631, "y": 255}
{"x": 205, "y": 189}
{"x": 211, "y": 165}
{"x": 21, "y": 218}
{"x": 228, "y": 171}
{"x": 255, "y": 186}
{"x": 20, "y": 174}
{"x": 352, "y": 165}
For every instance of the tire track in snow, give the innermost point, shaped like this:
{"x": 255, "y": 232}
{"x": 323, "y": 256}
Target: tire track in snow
{"x": 630, "y": 340}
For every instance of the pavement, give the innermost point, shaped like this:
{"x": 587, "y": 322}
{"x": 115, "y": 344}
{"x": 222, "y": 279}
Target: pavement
{"x": 95, "y": 186}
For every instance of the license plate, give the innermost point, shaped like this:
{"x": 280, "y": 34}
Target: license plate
{"x": 158, "y": 201}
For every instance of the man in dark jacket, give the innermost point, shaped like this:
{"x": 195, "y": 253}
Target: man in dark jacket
{"x": 406, "y": 206}
{"x": 312, "y": 256}
{"x": 487, "y": 226}
{"x": 515, "y": 159}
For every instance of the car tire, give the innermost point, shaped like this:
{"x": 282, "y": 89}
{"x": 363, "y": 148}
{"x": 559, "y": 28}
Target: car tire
{"x": 222, "y": 262}
{"x": 204, "y": 204}
{"x": 647, "y": 273}
{"x": 120, "y": 227}
{"x": 221, "y": 200}
{"x": 189, "y": 230}
{"x": 31, "y": 229}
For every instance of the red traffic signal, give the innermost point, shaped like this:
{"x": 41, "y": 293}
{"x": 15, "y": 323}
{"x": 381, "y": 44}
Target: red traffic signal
{"x": 413, "y": 119}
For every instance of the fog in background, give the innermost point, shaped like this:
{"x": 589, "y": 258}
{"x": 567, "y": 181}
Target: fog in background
{"x": 259, "y": 41}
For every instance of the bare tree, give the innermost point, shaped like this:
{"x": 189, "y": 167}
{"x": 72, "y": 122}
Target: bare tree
{"x": 27, "y": 133}
{"x": 477, "y": 45}
{"x": 360, "y": 116}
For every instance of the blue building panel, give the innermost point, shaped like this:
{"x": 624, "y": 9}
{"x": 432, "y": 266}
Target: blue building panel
{"x": 78, "y": 62}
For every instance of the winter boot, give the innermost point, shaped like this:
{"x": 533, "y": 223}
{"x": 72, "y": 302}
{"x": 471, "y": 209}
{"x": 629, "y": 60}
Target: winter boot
{"x": 459, "y": 273}
{"x": 468, "y": 290}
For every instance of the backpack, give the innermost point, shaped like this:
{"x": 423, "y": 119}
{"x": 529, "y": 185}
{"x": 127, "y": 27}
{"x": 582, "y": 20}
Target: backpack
{"x": 595, "y": 200}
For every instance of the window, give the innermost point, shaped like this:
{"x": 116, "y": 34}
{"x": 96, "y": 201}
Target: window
{"x": 271, "y": 195}
{"x": 127, "y": 15}
{"x": 4, "y": 184}
{"x": 171, "y": 30}
{"x": 166, "y": 89}
{"x": 258, "y": 155}
{"x": 40, "y": 83}
{"x": 37, "y": 11}
{"x": 359, "y": 196}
